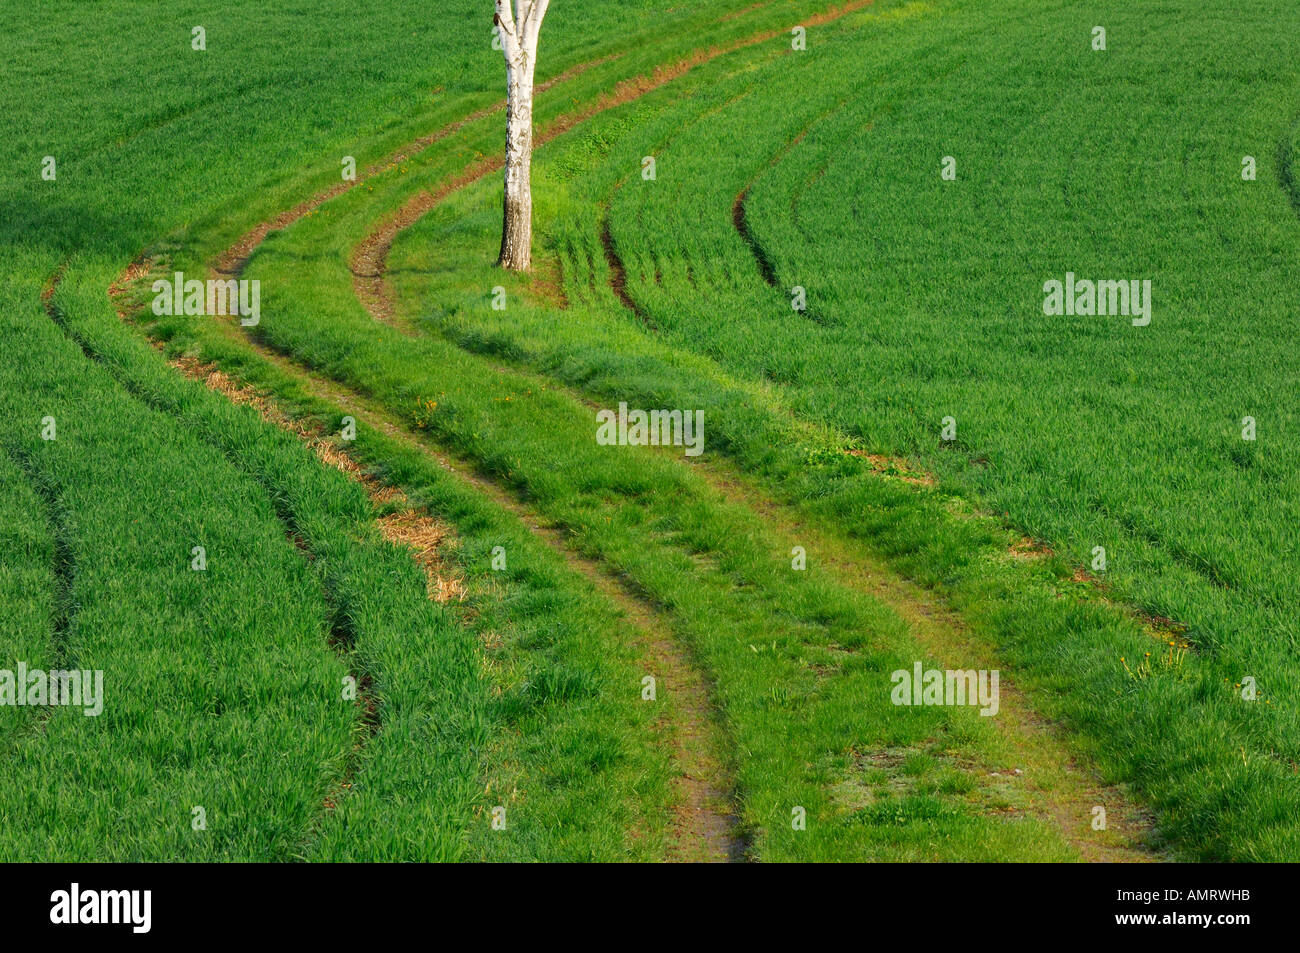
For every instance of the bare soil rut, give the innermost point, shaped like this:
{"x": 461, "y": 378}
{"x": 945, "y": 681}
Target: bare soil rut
{"x": 233, "y": 260}
{"x": 369, "y": 258}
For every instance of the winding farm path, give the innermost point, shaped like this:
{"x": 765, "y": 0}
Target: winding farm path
{"x": 1059, "y": 788}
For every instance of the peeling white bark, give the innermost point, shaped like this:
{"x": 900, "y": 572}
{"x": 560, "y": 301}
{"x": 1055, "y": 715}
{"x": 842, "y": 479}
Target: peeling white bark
{"x": 519, "y": 29}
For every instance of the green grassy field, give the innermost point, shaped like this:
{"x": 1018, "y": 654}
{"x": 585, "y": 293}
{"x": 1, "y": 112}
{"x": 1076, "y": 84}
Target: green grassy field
{"x": 497, "y": 586}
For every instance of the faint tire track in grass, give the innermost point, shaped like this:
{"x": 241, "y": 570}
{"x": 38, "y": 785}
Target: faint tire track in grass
{"x": 64, "y": 565}
{"x": 61, "y": 574}
{"x": 29, "y": 583}
{"x": 341, "y": 636}
{"x": 182, "y": 695}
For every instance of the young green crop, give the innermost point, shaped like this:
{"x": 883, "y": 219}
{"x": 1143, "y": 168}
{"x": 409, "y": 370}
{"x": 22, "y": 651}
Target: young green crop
{"x": 775, "y": 168}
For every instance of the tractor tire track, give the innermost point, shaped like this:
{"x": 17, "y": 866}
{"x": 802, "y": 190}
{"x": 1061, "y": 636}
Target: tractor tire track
{"x": 618, "y": 272}
{"x": 369, "y": 259}
{"x": 1062, "y": 791}
{"x": 705, "y": 826}
{"x": 945, "y": 635}
{"x": 63, "y": 564}
{"x": 739, "y": 214}
{"x": 64, "y": 567}
{"x": 231, "y": 263}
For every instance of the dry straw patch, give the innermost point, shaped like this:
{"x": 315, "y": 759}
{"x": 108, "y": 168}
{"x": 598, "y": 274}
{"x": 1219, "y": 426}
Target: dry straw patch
{"x": 424, "y": 536}
{"x": 1026, "y": 548}
{"x": 895, "y": 467}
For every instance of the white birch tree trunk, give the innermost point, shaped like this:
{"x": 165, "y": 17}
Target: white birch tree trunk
{"x": 518, "y": 30}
